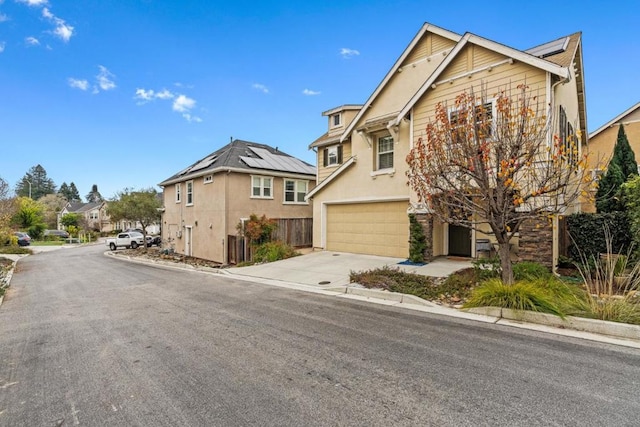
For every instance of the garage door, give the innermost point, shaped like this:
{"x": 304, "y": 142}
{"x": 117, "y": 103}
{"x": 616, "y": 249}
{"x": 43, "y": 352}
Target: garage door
{"x": 369, "y": 228}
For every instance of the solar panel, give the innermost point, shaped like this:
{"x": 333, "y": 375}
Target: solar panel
{"x": 278, "y": 162}
{"x": 204, "y": 163}
{"x": 550, "y": 48}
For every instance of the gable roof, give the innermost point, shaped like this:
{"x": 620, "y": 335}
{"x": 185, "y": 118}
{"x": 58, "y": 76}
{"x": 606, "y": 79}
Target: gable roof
{"x": 244, "y": 156}
{"x": 614, "y": 121}
{"x": 79, "y": 207}
{"x": 426, "y": 27}
{"x": 470, "y": 38}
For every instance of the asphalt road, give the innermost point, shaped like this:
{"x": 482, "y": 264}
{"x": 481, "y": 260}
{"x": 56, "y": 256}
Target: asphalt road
{"x": 90, "y": 340}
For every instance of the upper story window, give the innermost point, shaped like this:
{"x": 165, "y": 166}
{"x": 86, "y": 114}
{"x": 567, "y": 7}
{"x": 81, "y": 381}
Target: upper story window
{"x": 385, "y": 152}
{"x": 295, "y": 191}
{"x": 567, "y": 137}
{"x": 189, "y": 193}
{"x": 336, "y": 120}
{"x": 208, "y": 179}
{"x": 482, "y": 116}
{"x": 178, "y": 193}
{"x": 261, "y": 187}
{"x": 332, "y": 156}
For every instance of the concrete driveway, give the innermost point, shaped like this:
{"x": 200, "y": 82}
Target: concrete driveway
{"x": 325, "y": 268}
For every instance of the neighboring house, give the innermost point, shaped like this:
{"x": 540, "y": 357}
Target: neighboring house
{"x": 362, "y": 201}
{"x": 204, "y": 203}
{"x": 94, "y": 214}
{"x": 603, "y": 139}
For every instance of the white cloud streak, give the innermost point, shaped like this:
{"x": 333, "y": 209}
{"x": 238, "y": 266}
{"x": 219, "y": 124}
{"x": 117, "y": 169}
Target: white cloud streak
{"x": 310, "y": 92}
{"x": 2, "y": 46}
{"x": 62, "y": 30}
{"x": 32, "y": 41}
{"x": 3, "y": 17}
{"x": 105, "y": 79}
{"x": 181, "y": 103}
{"x": 347, "y": 53}
{"x": 33, "y": 3}
{"x": 78, "y": 83}
{"x": 262, "y": 88}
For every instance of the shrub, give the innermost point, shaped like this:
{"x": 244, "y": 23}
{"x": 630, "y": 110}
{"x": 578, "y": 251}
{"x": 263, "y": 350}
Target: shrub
{"x": 524, "y": 295}
{"x": 588, "y": 236}
{"x": 35, "y": 231}
{"x": 417, "y": 240}
{"x": 273, "y": 251}
{"x": 529, "y": 270}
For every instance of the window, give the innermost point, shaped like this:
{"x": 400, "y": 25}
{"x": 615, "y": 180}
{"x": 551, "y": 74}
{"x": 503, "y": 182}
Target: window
{"x": 335, "y": 120}
{"x": 261, "y": 187}
{"x": 207, "y": 179}
{"x": 332, "y": 156}
{"x": 483, "y": 114}
{"x": 294, "y": 191}
{"x": 93, "y": 215}
{"x": 385, "y": 152}
{"x": 567, "y": 137}
{"x": 178, "y": 193}
{"x": 189, "y": 193}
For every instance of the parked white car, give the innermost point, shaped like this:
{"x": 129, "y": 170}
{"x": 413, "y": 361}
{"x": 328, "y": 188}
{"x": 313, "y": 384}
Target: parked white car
{"x": 128, "y": 240}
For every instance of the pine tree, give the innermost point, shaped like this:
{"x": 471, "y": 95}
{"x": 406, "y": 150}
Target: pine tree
{"x": 35, "y": 184}
{"x": 64, "y": 191}
{"x": 94, "y": 195}
{"x": 74, "y": 195}
{"x": 622, "y": 166}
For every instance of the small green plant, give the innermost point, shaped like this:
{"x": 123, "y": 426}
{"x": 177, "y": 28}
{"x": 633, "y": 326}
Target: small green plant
{"x": 273, "y": 251}
{"x": 523, "y": 295}
{"x": 529, "y": 270}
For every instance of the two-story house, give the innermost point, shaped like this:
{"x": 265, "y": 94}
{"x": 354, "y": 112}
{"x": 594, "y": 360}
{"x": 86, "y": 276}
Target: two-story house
{"x": 362, "y": 200}
{"x": 205, "y": 202}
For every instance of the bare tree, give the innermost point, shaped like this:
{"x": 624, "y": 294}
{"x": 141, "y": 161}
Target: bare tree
{"x": 483, "y": 167}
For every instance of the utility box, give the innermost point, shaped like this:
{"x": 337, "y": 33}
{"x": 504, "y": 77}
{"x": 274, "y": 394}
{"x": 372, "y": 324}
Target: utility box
{"x": 483, "y": 248}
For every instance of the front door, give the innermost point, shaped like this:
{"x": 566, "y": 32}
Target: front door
{"x": 187, "y": 241}
{"x": 459, "y": 241}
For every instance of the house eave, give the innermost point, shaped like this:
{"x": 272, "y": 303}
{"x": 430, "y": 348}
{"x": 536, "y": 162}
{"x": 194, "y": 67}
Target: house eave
{"x": 279, "y": 174}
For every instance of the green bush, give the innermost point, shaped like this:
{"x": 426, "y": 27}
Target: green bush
{"x": 35, "y": 231}
{"x": 487, "y": 268}
{"x": 588, "y": 236}
{"x": 524, "y": 295}
{"x": 529, "y": 270}
{"x": 273, "y": 251}
{"x": 417, "y": 240}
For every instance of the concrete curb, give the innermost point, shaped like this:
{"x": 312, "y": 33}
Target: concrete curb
{"x": 381, "y": 294}
{"x": 601, "y": 327}
{"x": 7, "y": 280}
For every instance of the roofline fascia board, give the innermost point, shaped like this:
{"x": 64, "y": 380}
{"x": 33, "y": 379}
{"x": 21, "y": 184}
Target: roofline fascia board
{"x": 345, "y": 107}
{"x": 279, "y": 174}
{"x": 425, "y": 27}
{"x": 614, "y": 120}
{"x": 331, "y": 177}
{"x": 329, "y": 141}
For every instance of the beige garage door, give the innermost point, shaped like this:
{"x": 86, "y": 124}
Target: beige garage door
{"x": 369, "y": 228}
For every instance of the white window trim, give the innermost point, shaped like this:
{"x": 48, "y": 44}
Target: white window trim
{"x": 378, "y": 170}
{"x": 333, "y": 116}
{"x": 491, "y": 101}
{"x": 178, "y": 190}
{"x": 295, "y": 192}
{"x": 333, "y": 148}
{"x": 207, "y": 179}
{"x": 262, "y": 187}
{"x": 187, "y": 193}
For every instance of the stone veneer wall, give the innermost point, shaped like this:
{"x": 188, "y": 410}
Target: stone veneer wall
{"x": 536, "y": 242}
{"x": 426, "y": 221}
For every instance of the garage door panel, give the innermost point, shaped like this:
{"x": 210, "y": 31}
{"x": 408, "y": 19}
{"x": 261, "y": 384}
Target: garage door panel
{"x": 369, "y": 228}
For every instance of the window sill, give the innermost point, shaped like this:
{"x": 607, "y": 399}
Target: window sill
{"x": 295, "y": 203}
{"x": 261, "y": 197}
{"x": 390, "y": 171}
{"x": 189, "y": 204}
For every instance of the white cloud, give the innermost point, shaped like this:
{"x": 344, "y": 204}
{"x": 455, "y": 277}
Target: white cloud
{"x": 78, "y": 83}
{"x": 143, "y": 96}
{"x": 164, "y": 94}
{"x": 347, "y": 53}
{"x": 2, "y": 45}
{"x": 32, "y": 41}
{"x": 105, "y": 79}
{"x": 183, "y": 104}
{"x": 310, "y": 92}
{"x": 62, "y": 30}
{"x": 260, "y": 87}
{"x": 33, "y": 2}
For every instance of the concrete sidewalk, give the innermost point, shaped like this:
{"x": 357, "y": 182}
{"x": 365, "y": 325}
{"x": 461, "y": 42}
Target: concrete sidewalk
{"x": 331, "y": 269}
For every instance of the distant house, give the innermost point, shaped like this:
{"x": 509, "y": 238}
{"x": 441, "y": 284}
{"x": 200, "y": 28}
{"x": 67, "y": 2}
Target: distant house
{"x": 205, "y": 202}
{"x": 94, "y": 214}
{"x": 362, "y": 201}
{"x": 603, "y": 139}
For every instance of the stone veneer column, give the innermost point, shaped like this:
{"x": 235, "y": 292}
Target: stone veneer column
{"x": 426, "y": 221}
{"x": 536, "y": 242}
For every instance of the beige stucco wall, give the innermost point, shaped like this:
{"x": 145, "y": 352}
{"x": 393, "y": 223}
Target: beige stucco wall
{"x": 217, "y": 209}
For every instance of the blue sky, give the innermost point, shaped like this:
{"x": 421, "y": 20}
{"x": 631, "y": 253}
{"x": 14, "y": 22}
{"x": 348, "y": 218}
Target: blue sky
{"x": 126, "y": 93}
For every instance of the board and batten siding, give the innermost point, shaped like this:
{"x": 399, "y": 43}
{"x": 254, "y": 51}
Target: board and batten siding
{"x": 324, "y": 172}
{"x": 430, "y": 44}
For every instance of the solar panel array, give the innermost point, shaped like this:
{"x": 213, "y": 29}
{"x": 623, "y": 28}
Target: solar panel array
{"x": 550, "y": 48}
{"x": 278, "y": 162}
{"x": 204, "y": 163}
